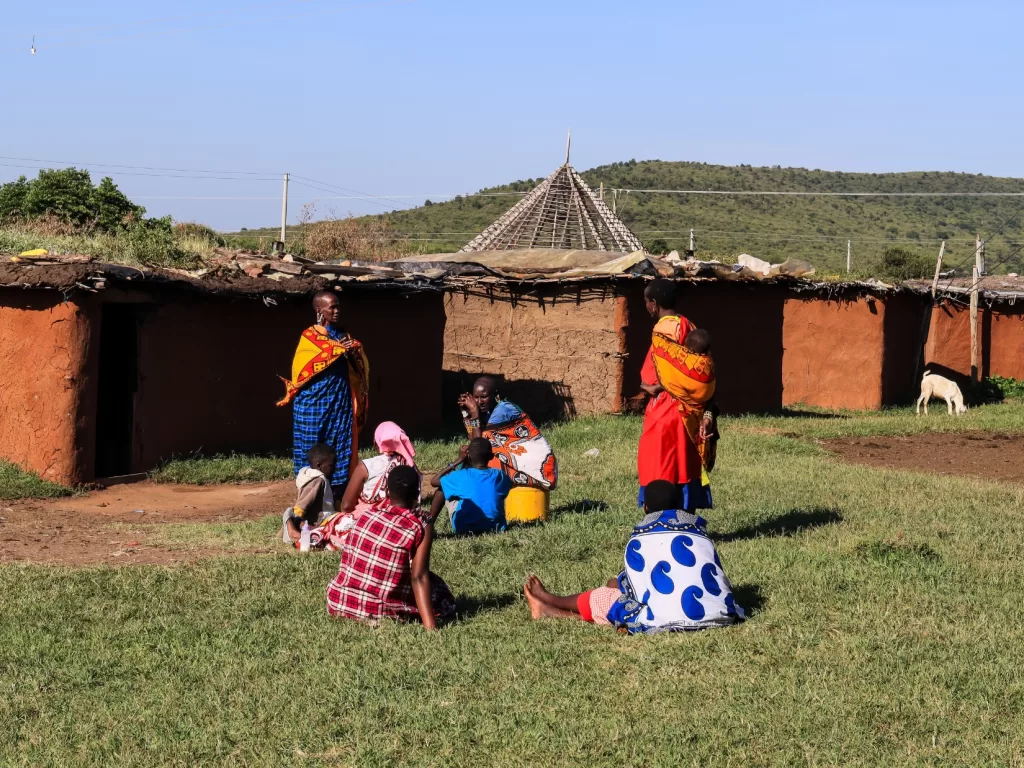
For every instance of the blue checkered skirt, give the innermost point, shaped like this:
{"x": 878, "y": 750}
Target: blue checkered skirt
{"x": 323, "y": 414}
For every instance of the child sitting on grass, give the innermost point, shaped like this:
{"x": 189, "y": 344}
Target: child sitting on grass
{"x": 314, "y": 505}
{"x": 385, "y": 565}
{"x": 475, "y": 493}
{"x": 672, "y": 579}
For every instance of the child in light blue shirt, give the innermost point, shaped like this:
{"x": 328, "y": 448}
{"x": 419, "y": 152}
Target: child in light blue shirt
{"x": 475, "y": 493}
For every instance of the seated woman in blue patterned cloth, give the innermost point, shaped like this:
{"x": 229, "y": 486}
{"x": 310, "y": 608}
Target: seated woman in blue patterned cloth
{"x": 672, "y": 580}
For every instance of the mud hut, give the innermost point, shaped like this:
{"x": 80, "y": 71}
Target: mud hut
{"x": 110, "y": 370}
{"x": 549, "y": 299}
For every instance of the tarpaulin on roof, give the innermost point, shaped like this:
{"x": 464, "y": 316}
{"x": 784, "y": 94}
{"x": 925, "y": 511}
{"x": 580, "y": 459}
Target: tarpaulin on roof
{"x": 538, "y": 261}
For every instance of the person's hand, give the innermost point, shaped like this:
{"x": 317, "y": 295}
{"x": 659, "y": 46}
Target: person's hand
{"x": 652, "y": 389}
{"x": 707, "y": 427}
{"x": 468, "y": 402}
{"x": 463, "y": 452}
{"x": 350, "y": 344}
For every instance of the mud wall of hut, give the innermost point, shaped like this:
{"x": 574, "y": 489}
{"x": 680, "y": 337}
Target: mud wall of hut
{"x": 576, "y": 350}
{"x": 1000, "y": 340}
{"x": 209, "y": 370}
{"x": 857, "y": 353}
{"x": 557, "y": 350}
{"x": 49, "y": 390}
{"x": 130, "y": 379}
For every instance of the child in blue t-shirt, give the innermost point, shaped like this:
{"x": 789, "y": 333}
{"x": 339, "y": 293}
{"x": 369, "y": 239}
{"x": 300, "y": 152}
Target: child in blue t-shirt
{"x": 475, "y": 492}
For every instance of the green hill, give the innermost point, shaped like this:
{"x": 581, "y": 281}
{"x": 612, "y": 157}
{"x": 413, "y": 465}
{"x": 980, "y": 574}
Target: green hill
{"x": 773, "y": 228}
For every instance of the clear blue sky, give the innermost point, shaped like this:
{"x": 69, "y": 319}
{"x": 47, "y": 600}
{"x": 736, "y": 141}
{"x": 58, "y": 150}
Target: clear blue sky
{"x": 443, "y": 96}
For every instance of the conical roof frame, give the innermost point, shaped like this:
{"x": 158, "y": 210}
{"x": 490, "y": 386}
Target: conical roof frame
{"x": 561, "y": 212}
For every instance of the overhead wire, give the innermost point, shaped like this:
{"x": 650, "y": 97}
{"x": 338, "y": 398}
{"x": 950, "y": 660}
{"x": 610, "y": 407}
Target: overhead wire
{"x": 981, "y": 244}
{"x": 137, "y": 167}
{"x": 165, "y": 19}
{"x": 321, "y": 189}
{"x": 156, "y": 175}
{"x": 179, "y": 30}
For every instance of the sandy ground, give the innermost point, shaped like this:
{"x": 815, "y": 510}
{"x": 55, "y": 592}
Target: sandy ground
{"x": 78, "y": 530}
{"x": 971, "y": 454}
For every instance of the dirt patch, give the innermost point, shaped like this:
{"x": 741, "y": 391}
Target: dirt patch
{"x": 80, "y": 530}
{"x": 965, "y": 454}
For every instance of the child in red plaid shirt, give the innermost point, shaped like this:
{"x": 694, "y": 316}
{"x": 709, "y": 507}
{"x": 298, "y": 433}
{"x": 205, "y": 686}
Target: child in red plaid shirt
{"x": 385, "y": 565}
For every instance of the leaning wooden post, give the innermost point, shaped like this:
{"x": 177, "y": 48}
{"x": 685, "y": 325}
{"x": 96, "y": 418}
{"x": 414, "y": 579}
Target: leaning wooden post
{"x": 926, "y": 320}
{"x": 974, "y": 326}
{"x": 938, "y": 268}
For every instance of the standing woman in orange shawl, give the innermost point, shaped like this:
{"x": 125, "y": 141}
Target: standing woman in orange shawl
{"x": 667, "y": 451}
{"x": 329, "y": 391}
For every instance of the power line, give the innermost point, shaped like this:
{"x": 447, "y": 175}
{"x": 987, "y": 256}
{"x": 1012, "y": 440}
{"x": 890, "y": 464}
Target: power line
{"x": 395, "y": 198}
{"x": 817, "y": 194}
{"x": 165, "y": 19}
{"x": 322, "y": 189}
{"x": 155, "y": 175}
{"x": 178, "y": 30}
{"x": 981, "y": 245}
{"x": 367, "y": 195}
{"x": 276, "y": 176}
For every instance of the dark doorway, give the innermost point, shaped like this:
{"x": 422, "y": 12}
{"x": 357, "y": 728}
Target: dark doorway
{"x": 118, "y": 383}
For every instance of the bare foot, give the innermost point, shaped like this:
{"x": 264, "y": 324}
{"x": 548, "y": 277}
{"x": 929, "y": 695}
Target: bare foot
{"x": 534, "y": 584}
{"x": 536, "y": 609}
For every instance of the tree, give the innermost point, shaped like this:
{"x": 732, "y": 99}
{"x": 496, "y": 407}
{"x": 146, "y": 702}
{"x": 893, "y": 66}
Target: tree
{"x": 68, "y": 194}
{"x": 12, "y": 199}
{"x": 111, "y": 208}
{"x": 656, "y": 246}
{"x": 65, "y": 193}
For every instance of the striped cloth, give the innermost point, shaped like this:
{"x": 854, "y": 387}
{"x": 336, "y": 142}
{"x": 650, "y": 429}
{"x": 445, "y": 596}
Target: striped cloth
{"x": 322, "y": 413}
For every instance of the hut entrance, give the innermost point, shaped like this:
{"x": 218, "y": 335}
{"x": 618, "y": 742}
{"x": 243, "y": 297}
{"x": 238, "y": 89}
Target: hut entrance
{"x": 118, "y": 384}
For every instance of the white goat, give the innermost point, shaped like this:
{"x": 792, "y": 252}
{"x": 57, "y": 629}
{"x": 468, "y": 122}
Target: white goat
{"x": 933, "y": 385}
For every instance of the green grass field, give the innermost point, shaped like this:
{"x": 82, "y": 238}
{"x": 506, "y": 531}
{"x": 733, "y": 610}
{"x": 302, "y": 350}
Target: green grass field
{"x": 16, "y": 483}
{"x": 884, "y": 629}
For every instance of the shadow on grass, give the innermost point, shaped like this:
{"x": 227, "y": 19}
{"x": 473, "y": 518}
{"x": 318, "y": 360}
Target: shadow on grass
{"x": 749, "y": 598}
{"x": 796, "y": 413}
{"x": 468, "y": 607}
{"x": 789, "y": 524}
{"x": 580, "y": 507}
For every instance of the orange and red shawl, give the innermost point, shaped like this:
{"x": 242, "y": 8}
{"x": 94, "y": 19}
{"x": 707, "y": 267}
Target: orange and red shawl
{"x": 690, "y": 379}
{"x": 314, "y": 353}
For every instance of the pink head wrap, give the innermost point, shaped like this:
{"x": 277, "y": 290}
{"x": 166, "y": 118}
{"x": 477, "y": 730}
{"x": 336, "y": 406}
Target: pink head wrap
{"x": 391, "y": 438}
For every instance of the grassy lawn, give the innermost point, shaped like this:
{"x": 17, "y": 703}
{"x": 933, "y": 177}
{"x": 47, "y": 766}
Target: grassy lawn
{"x": 885, "y": 629}
{"x": 16, "y": 483}
{"x": 234, "y": 468}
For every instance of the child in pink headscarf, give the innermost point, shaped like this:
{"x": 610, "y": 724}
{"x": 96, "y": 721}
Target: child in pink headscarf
{"x": 368, "y": 485}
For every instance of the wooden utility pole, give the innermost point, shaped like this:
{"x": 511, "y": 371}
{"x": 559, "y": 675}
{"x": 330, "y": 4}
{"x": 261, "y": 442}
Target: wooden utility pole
{"x": 284, "y": 208}
{"x": 974, "y": 326}
{"x": 691, "y": 240}
{"x": 979, "y": 255}
{"x": 602, "y": 192}
{"x": 938, "y": 268}
{"x": 847, "y": 255}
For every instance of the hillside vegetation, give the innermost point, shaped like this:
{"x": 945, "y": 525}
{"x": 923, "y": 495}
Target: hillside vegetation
{"x": 773, "y": 228}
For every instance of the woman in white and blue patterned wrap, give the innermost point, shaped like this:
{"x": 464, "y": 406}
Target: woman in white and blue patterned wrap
{"x": 672, "y": 581}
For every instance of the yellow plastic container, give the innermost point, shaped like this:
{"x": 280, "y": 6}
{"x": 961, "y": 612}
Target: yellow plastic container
{"x": 526, "y": 505}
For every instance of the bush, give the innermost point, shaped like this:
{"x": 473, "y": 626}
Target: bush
{"x": 1008, "y": 388}
{"x": 899, "y": 264}
{"x": 196, "y": 231}
{"x": 359, "y": 240}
